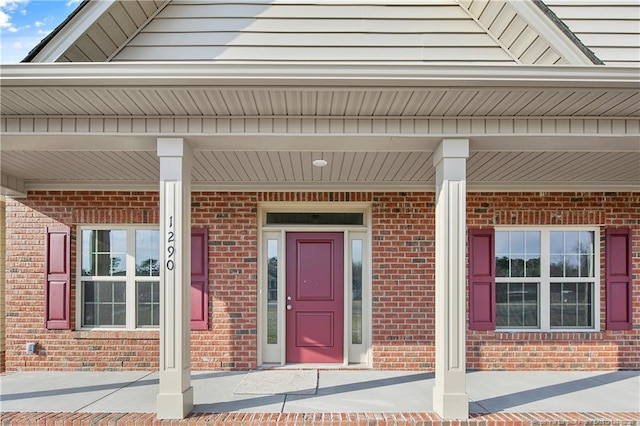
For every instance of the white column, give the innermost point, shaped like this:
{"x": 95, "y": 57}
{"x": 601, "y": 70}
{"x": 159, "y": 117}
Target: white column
{"x": 449, "y": 393}
{"x": 175, "y": 397}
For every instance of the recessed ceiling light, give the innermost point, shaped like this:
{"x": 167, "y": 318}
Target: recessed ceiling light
{"x": 320, "y": 163}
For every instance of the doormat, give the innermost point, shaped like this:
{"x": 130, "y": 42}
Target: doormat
{"x": 278, "y": 382}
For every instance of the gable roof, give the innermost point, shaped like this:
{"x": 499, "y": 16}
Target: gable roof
{"x": 435, "y": 31}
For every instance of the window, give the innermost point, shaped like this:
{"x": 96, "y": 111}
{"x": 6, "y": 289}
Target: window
{"x": 546, "y": 278}
{"x": 120, "y": 278}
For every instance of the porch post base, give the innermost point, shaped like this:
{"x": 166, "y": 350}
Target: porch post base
{"x": 175, "y": 405}
{"x": 450, "y": 405}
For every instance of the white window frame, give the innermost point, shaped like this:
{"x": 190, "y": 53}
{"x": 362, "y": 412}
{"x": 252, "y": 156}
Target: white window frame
{"x": 545, "y": 279}
{"x": 130, "y": 278}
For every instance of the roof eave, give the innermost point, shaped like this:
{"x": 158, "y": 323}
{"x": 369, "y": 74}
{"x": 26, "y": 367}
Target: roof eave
{"x": 181, "y": 74}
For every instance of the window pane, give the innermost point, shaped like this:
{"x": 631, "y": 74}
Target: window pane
{"x": 516, "y": 315}
{"x": 502, "y": 242}
{"x": 556, "y": 266}
{"x": 571, "y": 305}
{"x": 104, "y": 303}
{"x": 533, "y": 242}
{"x": 272, "y": 291}
{"x": 89, "y": 317}
{"x": 516, "y": 242}
{"x": 105, "y": 292}
{"x": 148, "y": 304}
{"x": 517, "y": 305}
{"x": 315, "y": 219}
{"x": 517, "y": 254}
{"x": 586, "y": 266}
{"x": 575, "y": 257}
{"x": 571, "y": 265}
{"x": 557, "y": 242}
{"x": 147, "y": 252}
{"x": 502, "y": 315}
{"x": 104, "y": 252}
{"x": 119, "y": 292}
{"x": 502, "y": 293}
{"x": 571, "y": 242}
{"x": 532, "y": 266}
{"x": 119, "y": 314}
{"x": 502, "y": 266}
{"x": 88, "y": 261}
{"x": 356, "y": 291}
{"x": 517, "y": 267}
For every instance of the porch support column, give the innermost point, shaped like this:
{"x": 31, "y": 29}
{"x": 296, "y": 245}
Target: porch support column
{"x": 449, "y": 393}
{"x": 175, "y": 397}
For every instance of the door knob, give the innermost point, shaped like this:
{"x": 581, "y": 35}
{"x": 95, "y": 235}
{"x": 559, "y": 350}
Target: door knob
{"x": 288, "y": 307}
{"x": 288, "y": 297}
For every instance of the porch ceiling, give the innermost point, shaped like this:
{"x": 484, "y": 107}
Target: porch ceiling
{"x": 384, "y": 157}
{"x": 361, "y": 163}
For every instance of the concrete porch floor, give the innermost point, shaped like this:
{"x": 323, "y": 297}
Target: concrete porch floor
{"x": 348, "y": 391}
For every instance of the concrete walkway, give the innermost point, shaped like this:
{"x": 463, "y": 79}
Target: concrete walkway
{"x": 362, "y": 391}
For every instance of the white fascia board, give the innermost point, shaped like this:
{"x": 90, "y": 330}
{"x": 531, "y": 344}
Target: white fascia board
{"x": 72, "y": 31}
{"x": 542, "y": 24}
{"x": 324, "y": 74}
{"x": 336, "y": 186}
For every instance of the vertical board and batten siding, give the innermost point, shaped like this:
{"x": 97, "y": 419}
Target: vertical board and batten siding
{"x": 501, "y": 21}
{"x": 610, "y": 28}
{"x": 112, "y": 31}
{"x": 436, "y": 31}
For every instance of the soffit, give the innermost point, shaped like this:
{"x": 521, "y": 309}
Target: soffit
{"x": 318, "y": 90}
{"x": 325, "y": 102}
{"x": 279, "y": 170}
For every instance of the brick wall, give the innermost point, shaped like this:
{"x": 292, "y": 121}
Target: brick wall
{"x": 403, "y": 280}
{"x": 562, "y": 351}
{"x": 2, "y": 283}
{"x": 403, "y": 252}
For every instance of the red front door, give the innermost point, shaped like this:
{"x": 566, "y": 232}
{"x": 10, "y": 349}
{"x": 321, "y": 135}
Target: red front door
{"x": 315, "y": 297}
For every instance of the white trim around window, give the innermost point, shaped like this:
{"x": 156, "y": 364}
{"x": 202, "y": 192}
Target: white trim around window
{"x": 546, "y": 282}
{"x": 115, "y": 265}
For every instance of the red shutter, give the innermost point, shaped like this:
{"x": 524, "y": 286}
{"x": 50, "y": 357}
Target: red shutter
{"x": 57, "y": 290}
{"x": 482, "y": 280}
{"x": 618, "y": 276}
{"x": 199, "y": 279}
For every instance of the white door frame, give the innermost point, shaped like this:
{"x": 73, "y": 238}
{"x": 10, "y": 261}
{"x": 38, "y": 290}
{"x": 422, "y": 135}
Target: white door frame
{"x": 275, "y": 353}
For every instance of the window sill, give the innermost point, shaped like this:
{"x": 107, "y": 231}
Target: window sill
{"x": 555, "y": 335}
{"x": 102, "y": 334}
{"x": 552, "y": 331}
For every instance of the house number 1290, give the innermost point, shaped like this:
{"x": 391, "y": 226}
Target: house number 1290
{"x": 171, "y": 249}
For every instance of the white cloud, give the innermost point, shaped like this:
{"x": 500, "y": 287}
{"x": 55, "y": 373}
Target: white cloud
{"x": 7, "y": 7}
{"x": 5, "y": 20}
{"x": 39, "y": 24}
{"x": 72, "y": 2}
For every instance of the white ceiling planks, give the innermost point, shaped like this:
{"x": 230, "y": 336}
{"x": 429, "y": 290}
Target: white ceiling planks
{"x": 239, "y": 102}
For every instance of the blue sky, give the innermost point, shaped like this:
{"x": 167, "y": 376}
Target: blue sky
{"x": 23, "y": 23}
